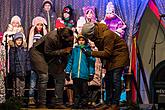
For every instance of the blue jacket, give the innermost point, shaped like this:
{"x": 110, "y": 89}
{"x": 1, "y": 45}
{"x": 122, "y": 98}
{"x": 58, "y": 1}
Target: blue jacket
{"x": 79, "y": 65}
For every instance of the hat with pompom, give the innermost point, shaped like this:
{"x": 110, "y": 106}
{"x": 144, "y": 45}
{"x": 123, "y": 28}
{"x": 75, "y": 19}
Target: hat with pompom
{"x": 68, "y": 9}
{"x": 15, "y": 18}
{"x": 38, "y": 20}
{"x": 110, "y": 8}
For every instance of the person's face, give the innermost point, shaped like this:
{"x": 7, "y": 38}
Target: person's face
{"x": 19, "y": 41}
{"x": 110, "y": 15}
{"x": 81, "y": 41}
{"x": 39, "y": 26}
{"x": 89, "y": 14}
{"x": 47, "y": 7}
{"x": 15, "y": 24}
{"x": 66, "y": 15}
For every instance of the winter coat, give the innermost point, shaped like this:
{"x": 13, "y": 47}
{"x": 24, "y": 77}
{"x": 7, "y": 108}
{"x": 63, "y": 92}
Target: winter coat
{"x": 111, "y": 47}
{"x": 52, "y": 16}
{"x": 49, "y": 51}
{"x": 19, "y": 61}
{"x": 79, "y": 65}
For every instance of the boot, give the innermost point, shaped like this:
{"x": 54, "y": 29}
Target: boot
{"x": 114, "y": 107}
{"x": 103, "y": 107}
{"x": 31, "y": 102}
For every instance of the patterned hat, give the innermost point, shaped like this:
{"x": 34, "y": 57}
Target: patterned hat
{"x": 68, "y": 9}
{"x": 38, "y": 20}
{"x": 16, "y": 18}
{"x": 110, "y": 8}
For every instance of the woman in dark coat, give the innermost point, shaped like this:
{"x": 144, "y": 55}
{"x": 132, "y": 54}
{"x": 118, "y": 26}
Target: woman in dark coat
{"x": 114, "y": 51}
{"x": 51, "y": 51}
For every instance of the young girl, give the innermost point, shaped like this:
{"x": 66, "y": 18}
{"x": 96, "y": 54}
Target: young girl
{"x": 14, "y": 27}
{"x": 113, "y": 21}
{"x": 2, "y": 71}
{"x": 38, "y": 27}
{"x": 82, "y": 70}
{"x": 19, "y": 64}
{"x": 67, "y": 18}
{"x": 89, "y": 14}
{"x": 37, "y": 30}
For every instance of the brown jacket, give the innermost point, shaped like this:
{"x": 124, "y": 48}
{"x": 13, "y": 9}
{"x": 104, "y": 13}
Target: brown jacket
{"x": 111, "y": 47}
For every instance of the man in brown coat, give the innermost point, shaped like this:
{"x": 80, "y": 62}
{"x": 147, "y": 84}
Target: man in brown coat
{"x": 114, "y": 51}
{"x": 49, "y": 54}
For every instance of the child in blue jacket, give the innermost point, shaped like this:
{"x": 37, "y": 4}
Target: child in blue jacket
{"x": 82, "y": 70}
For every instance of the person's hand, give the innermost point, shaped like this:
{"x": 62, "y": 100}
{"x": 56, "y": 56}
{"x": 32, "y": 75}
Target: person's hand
{"x": 86, "y": 52}
{"x": 90, "y": 77}
{"x": 67, "y": 77}
{"x": 67, "y": 49}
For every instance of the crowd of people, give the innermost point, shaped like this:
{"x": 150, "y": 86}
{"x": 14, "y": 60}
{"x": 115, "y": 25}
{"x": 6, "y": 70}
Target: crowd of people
{"x": 77, "y": 54}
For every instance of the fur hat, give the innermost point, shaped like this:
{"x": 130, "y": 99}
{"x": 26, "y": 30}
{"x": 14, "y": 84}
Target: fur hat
{"x": 16, "y": 18}
{"x": 47, "y": 1}
{"x": 110, "y": 8}
{"x": 18, "y": 35}
{"x": 88, "y": 29}
{"x": 38, "y": 20}
{"x": 68, "y": 9}
{"x": 1, "y": 36}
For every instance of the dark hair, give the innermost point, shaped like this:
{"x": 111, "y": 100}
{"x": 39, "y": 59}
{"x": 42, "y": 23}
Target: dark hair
{"x": 65, "y": 32}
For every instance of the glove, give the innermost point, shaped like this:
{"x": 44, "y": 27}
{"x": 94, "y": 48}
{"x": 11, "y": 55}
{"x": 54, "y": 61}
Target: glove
{"x": 86, "y": 52}
{"x": 67, "y": 77}
{"x": 67, "y": 49}
{"x": 90, "y": 77}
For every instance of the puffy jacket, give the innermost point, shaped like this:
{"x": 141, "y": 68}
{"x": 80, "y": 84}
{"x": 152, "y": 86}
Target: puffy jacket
{"x": 79, "y": 65}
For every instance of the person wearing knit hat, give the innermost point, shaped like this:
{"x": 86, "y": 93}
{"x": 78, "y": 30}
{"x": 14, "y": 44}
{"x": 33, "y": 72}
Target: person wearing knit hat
{"x": 90, "y": 13}
{"x": 19, "y": 64}
{"x": 18, "y": 35}
{"x": 81, "y": 69}
{"x": 49, "y": 14}
{"x": 2, "y": 71}
{"x": 67, "y": 17}
{"x": 113, "y": 21}
{"x": 114, "y": 51}
{"x": 15, "y": 20}
{"x": 47, "y": 1}
{"x": 37, "y": 31}
{"x": 38, "y": 27}
{"x": 14, "y": 27}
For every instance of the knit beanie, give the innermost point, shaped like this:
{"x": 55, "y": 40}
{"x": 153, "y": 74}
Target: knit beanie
{"x": 68, "y": 9}
{"x": 110, "y": 8}
{"x": 16, "y": 18}
{"x": 47, "y": 1}
{"x": 18, "y": 35}
{"x": 38, "y": 20}
{"x": 88, "y": 29}
{"x": 1, "y": 36}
